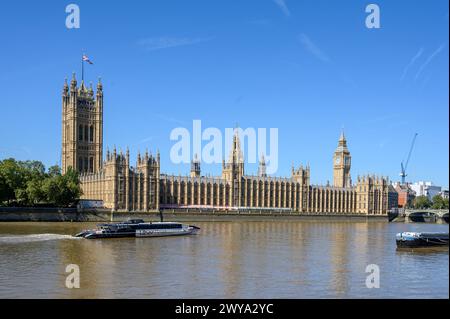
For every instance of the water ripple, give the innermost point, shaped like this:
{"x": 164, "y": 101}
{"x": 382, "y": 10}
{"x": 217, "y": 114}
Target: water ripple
{"x": 18, "y": 239}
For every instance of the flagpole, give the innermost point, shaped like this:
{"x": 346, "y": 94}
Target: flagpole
{"x": 82, "y": 69}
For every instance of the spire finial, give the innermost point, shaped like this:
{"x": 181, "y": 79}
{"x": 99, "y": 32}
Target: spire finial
{"x": 65, "y": 87}
{"x": 99, "y": 84}
{"x": 91, "y": 89}
{"x": 73, "y": 82}
{"x": 342, "y": 137}
{"x": 82, "y": 86}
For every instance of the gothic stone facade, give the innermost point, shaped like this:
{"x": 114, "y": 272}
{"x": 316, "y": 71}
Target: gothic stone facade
{"x": 142, "y": 187}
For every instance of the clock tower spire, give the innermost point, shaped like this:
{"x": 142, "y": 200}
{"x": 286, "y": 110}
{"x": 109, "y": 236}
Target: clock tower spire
{"x": 341, "y": 164}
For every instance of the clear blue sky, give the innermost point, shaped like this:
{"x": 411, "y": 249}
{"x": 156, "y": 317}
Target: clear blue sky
{"x": 305, "y": 67}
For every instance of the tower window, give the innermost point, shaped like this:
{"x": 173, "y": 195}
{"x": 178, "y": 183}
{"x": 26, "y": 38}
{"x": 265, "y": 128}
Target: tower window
{"x": 80, "y": 132}
{"x": 91, "y": 164}
{"x": 86, "y": 133}
{"x": 80, "y": 164}
{"x": 91, "y": 133}
{"x": 86, "y": 164}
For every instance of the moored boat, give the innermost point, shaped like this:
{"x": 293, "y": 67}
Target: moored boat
{"x": 139, "y": 228}
{"x": 415, "y": 240}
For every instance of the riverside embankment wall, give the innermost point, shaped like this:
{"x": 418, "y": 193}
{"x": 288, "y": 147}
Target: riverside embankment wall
{"x": 33, "y": 214}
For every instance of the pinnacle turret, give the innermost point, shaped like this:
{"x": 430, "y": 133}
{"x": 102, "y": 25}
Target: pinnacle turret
{"x": 262, "y": 167}
{"x": 73, "y": 82}
{"x": 65, "y": 88}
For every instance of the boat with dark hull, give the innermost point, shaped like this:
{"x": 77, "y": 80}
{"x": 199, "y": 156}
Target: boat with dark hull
{"x": 416, "y": 240}
{"x": 139, "y": 228}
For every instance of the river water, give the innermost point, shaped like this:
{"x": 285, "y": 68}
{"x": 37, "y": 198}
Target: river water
{"x": 244, "y": 259}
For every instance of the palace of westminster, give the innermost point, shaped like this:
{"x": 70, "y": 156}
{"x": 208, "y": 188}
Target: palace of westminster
{"x": 144, "y": 188}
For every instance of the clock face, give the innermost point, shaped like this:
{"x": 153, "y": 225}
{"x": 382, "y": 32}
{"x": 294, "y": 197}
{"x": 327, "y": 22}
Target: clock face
{"x": 338, "y": 160}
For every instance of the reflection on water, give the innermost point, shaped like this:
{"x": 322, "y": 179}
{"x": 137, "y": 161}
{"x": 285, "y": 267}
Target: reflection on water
{"x": 268, "y": 259}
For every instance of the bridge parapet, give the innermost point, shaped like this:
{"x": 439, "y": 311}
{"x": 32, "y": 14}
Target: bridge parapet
{"x": 438, "y": 212}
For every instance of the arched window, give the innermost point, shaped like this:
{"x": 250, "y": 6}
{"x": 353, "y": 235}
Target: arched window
{"x": 80, "y": 132}
{"x": 86, "y": 164}
{"x": 80, "y": 164}
{"x": 91, "y": 133}
{"x": 86, "y": 133}
{"x": 91, "y": 164}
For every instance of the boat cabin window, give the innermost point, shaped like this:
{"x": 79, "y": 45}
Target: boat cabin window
{"x": 135, "y": 221}
{"x": 163, "y": 226}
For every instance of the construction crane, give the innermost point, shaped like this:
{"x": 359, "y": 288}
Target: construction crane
{"x": 405, "y": 166}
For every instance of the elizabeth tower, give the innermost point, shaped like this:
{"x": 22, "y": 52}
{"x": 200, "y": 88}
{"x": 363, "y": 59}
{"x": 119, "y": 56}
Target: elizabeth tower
{"x": 342, "y": 164}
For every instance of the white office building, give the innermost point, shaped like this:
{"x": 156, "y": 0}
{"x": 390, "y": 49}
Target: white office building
{"x": 426, "y": 189}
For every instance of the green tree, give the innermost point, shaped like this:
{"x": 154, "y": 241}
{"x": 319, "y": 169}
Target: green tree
{"x": 62, "y": 190}
{"x": 422, "y": 202}
{"x": 13, "y": 179}
{"x": 4, "y": 188}
{"x": 32, "y": 169}
{"x": 21, "y": 196}
{"x": 27, "y": 183}
{"x": 439, "y": 202}
{"x": 34, "y": 192}
{"x": 445, "y": 203}
{"x": 54, "y": 170}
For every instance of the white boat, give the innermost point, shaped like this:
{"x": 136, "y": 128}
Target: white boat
{"x": 139, "y": 228}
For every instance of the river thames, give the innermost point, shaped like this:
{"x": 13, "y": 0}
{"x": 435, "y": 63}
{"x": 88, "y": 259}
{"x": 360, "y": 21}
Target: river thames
{"x": 242, "y": 259}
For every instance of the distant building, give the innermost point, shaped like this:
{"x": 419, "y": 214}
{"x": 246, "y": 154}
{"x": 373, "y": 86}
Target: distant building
{"x": 405, "y": 195}
{"x": 426, "y": 189}
{"x": 392, "y": 197}
{"x": 444, "y": 194}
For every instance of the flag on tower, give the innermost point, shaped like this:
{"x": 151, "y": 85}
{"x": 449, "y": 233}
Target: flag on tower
{"x": 86, "y": 59}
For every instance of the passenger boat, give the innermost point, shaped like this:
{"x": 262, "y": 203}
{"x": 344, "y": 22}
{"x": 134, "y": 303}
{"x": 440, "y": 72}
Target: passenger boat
{"x": 415, "y": 240}
{"x": 139, "y": 228}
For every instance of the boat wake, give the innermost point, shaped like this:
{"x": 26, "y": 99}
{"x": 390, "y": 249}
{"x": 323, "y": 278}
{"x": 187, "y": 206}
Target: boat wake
{"x": 18, "y": 239}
